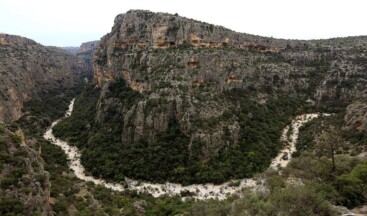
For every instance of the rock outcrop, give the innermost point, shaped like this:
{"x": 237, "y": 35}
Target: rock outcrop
{"x": 356, "y": 116}
{"x": 28, "y": 68}
{"x": 85, "y": 58}
{"x": 178, "y": 61}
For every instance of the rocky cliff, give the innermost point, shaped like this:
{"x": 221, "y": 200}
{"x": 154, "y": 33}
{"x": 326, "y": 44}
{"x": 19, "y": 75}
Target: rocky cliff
{"x": 180, "y": 60}
{"x": 146, "y": 31}
{"x": 27, "y": 69}
{"x": 214, "y": 84}
{"x": 85, "y": 58}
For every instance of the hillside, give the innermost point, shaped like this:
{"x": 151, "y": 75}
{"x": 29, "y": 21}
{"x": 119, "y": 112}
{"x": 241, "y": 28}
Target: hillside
{"x": 28, "y": 69}
{"x": 25, "y": 186}
{"x": 36, "y": 84}
{"x": 185, "y": 101}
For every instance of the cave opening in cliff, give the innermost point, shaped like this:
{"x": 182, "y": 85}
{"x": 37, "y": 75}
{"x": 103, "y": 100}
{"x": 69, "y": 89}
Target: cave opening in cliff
{"x": 193, "y": 64}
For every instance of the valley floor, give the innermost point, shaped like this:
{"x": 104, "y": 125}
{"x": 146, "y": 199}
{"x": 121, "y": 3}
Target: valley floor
{"x": 197, "y": 191}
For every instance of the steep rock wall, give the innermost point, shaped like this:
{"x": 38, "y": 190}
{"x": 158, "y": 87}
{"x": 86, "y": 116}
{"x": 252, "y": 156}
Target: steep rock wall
{"x": 182, "y": 64}
{"x": 28, "y": 68}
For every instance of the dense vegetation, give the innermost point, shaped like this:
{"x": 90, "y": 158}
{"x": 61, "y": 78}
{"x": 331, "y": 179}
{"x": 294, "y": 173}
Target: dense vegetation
{"x": 169, "y": 158}
{"x": 8, "y": 205}
{"x": 20, "y": 166}
{"x": 39, "y": 113}
{"x": 15, "y": 175}
{"x": 351, "y": 142}
{"x": 324, "y": 172}
{"x": 324, "y": 184}
{"x": 69, "y": 195}
{"x": 261, "y": 127}
{"x": 83, "y": 198}
{"x": 328, "y": 155}
{"x": 302, "y": 189}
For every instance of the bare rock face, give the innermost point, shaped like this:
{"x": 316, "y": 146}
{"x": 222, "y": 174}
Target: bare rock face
{"x": 356, "y": 116}
{"x": 85, "y": 58}
{"x": 28, "y": 68}
{"x": 88, "y": 47}
{"x": 140, "y": 30}
{"x": 181, "y": 64}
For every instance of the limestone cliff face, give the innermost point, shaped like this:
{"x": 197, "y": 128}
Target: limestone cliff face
{"x": 85, "y": 58}
{"x": 141, "y": 30}
{"x": 28, "y": 68}
{"x": 180, "y": 66}
{"x": 88, "y": 47}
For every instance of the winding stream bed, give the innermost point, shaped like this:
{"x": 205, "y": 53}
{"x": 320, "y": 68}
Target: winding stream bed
{"x": 200, "y": 191}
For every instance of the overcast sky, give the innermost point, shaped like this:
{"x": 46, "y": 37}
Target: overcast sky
{"x": 71, "y": 22}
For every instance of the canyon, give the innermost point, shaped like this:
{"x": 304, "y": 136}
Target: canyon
{"x": 170, "y": 109}
{"x": 28, "y": 69}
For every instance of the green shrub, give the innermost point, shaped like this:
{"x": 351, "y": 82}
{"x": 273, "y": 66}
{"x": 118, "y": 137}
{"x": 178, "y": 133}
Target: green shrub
{"x": 16, "y": 139}
{"x": 2, "y": 143}
{"x": 26, "y": 190}
{"x": 11, "y": 207}
{"x": 186, "y": 193}
{"x": 353, "y": 186}
{"x": 6, "y": 182}
{"x": 2, "y": 128}
{"x": 300, "y": 200}
{"x": 234, "y": 183}
{"x": 360, "y": 172}
{"x": 352, "y": 189}
{"x": 60, "y": 206}
{"x": 21, "y": 153}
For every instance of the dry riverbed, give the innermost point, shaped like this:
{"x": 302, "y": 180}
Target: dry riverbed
{"x": 198, "y": 191}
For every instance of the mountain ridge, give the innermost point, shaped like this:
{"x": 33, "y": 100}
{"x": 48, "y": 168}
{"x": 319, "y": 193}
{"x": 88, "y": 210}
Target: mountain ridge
{"x": 203, "y": 99}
